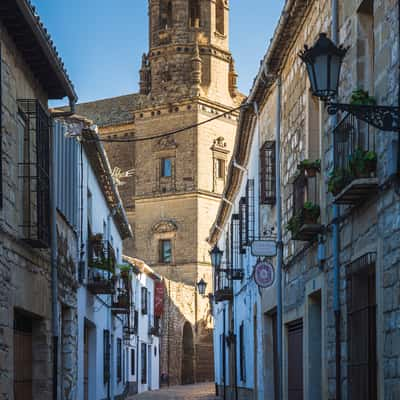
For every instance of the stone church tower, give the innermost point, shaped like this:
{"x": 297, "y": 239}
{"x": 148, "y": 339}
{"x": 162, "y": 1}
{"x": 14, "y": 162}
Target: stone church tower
{"x": 175, "y": 183}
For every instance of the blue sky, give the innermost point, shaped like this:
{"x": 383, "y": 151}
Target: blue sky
{"x": 102, "y": 41}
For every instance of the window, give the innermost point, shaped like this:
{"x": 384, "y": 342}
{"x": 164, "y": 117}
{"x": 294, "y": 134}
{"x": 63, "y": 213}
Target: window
{"x": 34, "y": 171}
{"x": 194, "y": 13}
{"x": 166, "y": 251}
{"x": 106, "y": 356}
{"x": 243, "y": 224}
{"x": 268, "y": 173}
{"x": 220, "y": 168}
{"x": 242, "y": 353}
{"x": 90, "y": 210}
{"x": 136, "y": 322}
{"x": 119, "y": 360}
{"x": 144, "y": 363}
{"x": 166, "y": 20}
{"x": 144, "y": 301}
{"x": 235, "y": 241}
{"x": 166, "y": 168}
{"x": 133, "y": 361}
{"x": 220, "y": 17}
{"x": 250, "y": 212}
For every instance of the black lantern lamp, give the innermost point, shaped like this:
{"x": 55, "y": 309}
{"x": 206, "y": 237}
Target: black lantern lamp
{"x": 201, "y": 287}
{"x": 216, "y": 257}
{"x": 324, "y": 63}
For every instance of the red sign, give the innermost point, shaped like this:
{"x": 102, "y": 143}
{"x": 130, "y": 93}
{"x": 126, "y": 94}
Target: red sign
{"x": 264, "y": 274}
{"x": 159, "y": 299}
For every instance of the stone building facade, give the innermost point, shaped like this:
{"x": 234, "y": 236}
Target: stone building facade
{"x": 29, "y": 76}
{"x": 172, "y": 185}
{"x": 337, "y": 344}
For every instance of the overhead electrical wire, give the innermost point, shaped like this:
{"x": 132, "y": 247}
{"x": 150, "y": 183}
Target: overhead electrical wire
{"x": 161, "y": 135}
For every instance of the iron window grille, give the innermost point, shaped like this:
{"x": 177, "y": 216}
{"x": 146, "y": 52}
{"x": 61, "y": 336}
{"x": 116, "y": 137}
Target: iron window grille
{"x": 243, "y": 227}
{"x": 34, "y": 172}
{"x": 250, "y": 212}
{"x": 268, "y": 173}
{"x": 133, "y": 362}
{"x": 223, "y": 287}
{"x": 235, "y": 241}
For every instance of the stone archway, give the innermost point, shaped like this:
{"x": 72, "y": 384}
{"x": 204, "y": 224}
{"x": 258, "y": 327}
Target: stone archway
{"x": 187, "y": 375}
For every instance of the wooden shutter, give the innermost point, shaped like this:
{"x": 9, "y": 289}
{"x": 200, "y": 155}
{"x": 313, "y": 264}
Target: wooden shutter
{"x": 106, "y": 356}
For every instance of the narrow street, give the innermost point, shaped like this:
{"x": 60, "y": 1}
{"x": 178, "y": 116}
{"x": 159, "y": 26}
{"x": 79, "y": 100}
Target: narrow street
{"x": 202, "y": 391}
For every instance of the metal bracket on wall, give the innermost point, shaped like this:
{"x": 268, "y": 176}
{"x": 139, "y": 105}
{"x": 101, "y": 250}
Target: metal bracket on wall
{"x": 384, "y": 118}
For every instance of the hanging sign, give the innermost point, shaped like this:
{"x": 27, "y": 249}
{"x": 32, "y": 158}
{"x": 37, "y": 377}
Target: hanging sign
{"x": 264, "y": 274}
{"x": 263, "y": 248}
{"x": 159, "y": 299}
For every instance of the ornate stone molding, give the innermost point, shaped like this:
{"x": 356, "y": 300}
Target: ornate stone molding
{"x": 164, "y": 227}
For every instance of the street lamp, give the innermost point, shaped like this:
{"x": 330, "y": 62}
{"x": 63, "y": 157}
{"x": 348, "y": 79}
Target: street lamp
{"x": 216, "y": 257}
{"x": 201, "y": 287}
{"x": 324, "y": 62}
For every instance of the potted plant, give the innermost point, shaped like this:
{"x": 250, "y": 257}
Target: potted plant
{"x": 294, "y": 224}
{"x": 310, "y": 167}
{"x": 310, "y": 213}
{"x": 338, "y": 180}
{"x": 124, "y": 270}
{"x": 361, "y": 97}
{"x": 123, "y": 299}
{"x": 363, "y": 163}
{"x": 371, "y": 159}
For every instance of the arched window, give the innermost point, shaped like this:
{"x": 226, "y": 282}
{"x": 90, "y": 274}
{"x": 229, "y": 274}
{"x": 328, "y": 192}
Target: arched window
{"x": 194, "y": 13}
{"x": 220, "y": 17}
{"x": 166, "y": 19}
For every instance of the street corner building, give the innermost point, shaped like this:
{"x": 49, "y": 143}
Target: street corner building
{"x": 171, "y": 185}
{"x": 321, "y": 180}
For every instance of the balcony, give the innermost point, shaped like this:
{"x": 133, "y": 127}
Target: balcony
{"x": 305, "y": 223}
{"x": 101, "y": 266}
{"x": 155, "y": 329}
{"x": 354, "y": 176}
{"x": 122, "y": 299}
{"x": 223, "y": 286}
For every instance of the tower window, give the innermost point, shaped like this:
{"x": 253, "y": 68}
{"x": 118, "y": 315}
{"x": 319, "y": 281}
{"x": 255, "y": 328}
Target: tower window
{"x": 165, "y": 251}
{"x": 194, "y": 13}
{"x": 220, "y": 17}
{"x": 166, "y": 20}
{"x": 220, "y": 168}
{"x": 166, "y": 168}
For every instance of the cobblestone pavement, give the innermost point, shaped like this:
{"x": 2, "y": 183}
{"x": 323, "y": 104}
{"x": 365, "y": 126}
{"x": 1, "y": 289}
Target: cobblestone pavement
{"x": 202, "y": 391}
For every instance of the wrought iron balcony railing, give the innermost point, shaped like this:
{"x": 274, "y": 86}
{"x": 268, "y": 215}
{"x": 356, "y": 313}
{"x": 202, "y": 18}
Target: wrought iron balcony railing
{"x": 122, "y": 298}
{"x": 101, "y": 266}
{"x": 304, "y": 224}
{"x": 355, "y": 161}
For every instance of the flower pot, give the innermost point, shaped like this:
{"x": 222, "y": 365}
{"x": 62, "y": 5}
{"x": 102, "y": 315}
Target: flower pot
{"x": 311, "y": 172}
{"x": 370, "y": 167}
{"x": 309, "y": 217}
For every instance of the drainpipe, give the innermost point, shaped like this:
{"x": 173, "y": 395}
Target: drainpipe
{"x": 279, "y": 259}
{"x": 54, "y": 272}
{"x": 336, "y": 234}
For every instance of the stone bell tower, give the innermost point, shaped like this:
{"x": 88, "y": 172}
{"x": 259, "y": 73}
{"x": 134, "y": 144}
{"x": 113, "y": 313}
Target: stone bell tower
{"x": 189, "y": 50}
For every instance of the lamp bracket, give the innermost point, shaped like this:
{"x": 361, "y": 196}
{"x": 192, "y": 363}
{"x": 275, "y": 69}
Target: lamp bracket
{"x": 384, "y": 118}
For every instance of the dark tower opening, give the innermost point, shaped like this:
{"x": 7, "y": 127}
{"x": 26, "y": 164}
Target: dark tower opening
{"x": 220, "y": 17}
{"x": 187, "y": 355}
{"x": 194, "y": 13}
{"x": 166, "y": 14}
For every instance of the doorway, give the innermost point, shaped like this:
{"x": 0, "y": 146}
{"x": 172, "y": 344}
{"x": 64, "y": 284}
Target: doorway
{"x": 23, "y": 357}
{"x": 187, "y": 355}
{"x": 295, "y": 360}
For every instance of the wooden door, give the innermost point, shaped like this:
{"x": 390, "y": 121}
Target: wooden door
{"x": 23, "y": 358}
{"x": 295, "y": 360}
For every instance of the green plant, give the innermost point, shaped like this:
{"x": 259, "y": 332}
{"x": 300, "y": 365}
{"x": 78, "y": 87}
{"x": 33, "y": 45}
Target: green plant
{"x": 361, "y": 97}
{"x": 363, "y": 163}
{"x": 311, "y": 167}
{"x": 311, "y": 211}
{"x": 124, "y": 268}
{"x": 294, "y": 224}
{"x": 338, "y": 179}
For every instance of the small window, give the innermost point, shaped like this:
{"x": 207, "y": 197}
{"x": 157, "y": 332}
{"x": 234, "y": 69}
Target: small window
{"x": 166, "y": 167}
{"x": 165, "y": 251}
{"x": 133, "y": 361}
{"x": 242, "y": 354}
{"x": 144, "y": 363}
{"x": 106, "y": 356}
{"x": 144, "y": 301}
{"x": 220, "y": 168}
{"x": 166, "y": 15}
{"x": 220, "y": 17}
{"x": 194, "y": 13}
{"x": 267, "y": 173}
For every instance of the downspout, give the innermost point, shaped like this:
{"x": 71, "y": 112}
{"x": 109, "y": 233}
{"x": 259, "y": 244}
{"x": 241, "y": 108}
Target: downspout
{"x": 336, "y": 236}
{"x": 279, "y": 259}
{"x": 54, "y": 256}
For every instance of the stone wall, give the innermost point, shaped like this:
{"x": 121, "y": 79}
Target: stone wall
{"x": 24, "y": 271}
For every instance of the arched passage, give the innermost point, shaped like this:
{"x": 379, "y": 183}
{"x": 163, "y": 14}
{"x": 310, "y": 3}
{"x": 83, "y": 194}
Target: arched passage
{"x": 187, "y": 355}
